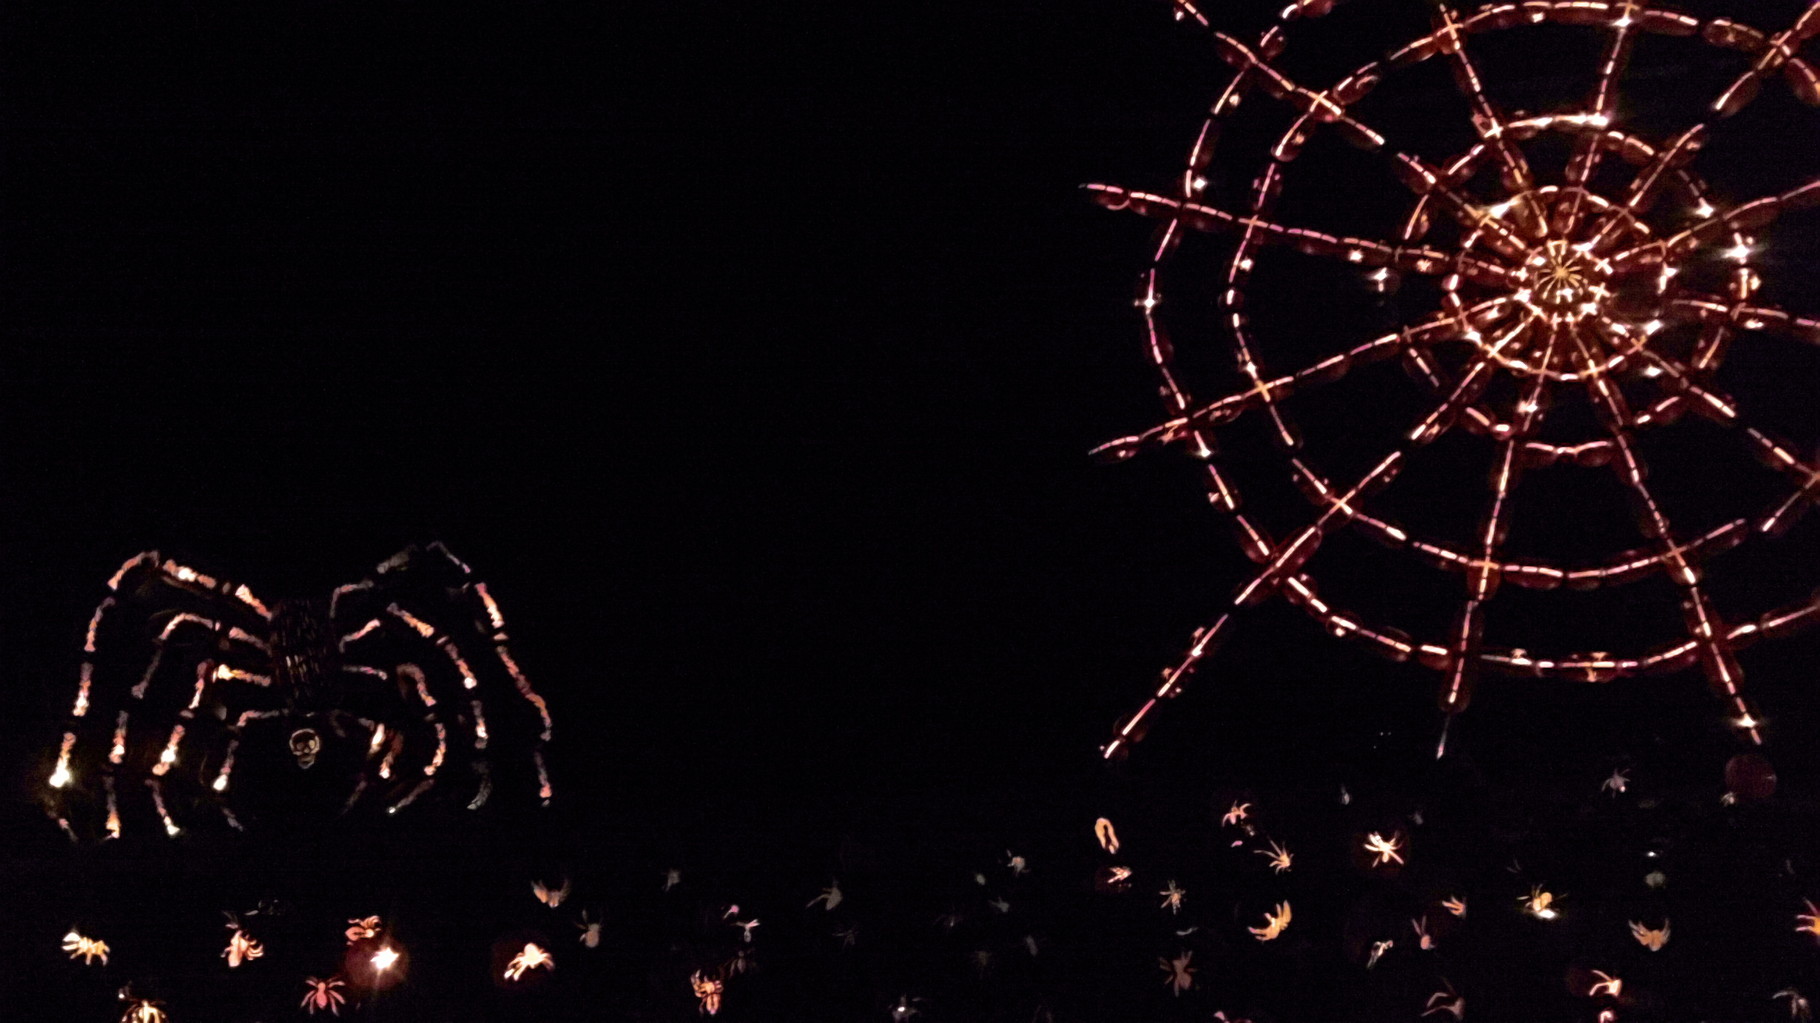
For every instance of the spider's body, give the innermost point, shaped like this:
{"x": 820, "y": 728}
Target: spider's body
{"x": 395, "y": 685}
{"x": 305, "y": 662}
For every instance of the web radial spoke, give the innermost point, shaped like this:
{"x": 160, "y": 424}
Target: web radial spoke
{"x": 1776, "y": 454}
{"x": 1359, "y": 251}
{"x": 1779, "y": 53}
{"x": 1514, "y": 167}
{"x": 1483, "y": 576}
{"x": 1286, "y": 559}
{"x": 1434, "y": 330}
{"x": 1749, "y": 216}
{"x": 1329, "y": 107}
{"x": 1705, "y": 628}
{"x": 1719, "y": 311}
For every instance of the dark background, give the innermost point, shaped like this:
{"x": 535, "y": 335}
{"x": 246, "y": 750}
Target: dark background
{"x": 752, "y": 356}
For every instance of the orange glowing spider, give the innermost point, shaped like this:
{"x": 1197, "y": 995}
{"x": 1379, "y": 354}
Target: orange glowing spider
{"x": 1385, "y": 849}
{"x": 709, "y": 990}
{"x": 1648, "y": 938}
{"x": 360, "y": 929}
{"x": 322, "y": 995}
{"x": 1274, "y": 923}
{"x": 531, "y": 957}
{"x": 1615, "y": 280}
{"x": 89, "y": 949}
{"x": 240, "y": 947}
{"x": 1181, "y": 975}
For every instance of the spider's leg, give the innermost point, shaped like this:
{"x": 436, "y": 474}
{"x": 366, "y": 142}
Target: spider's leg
{"x": 135, "y": 581}
{"x": 490, "y": 621}
{"x": 420, "y": 688}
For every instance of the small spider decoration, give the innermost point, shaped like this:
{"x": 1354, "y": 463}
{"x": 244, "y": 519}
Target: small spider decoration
{"x": 322, "y": 995}
{"x": 1180, "y": 974}
{"x": 369, "y": 697}
{"x": 532, "y": 957}
{"x": 86, "y": 948}
{"x": 1274, "y": 923}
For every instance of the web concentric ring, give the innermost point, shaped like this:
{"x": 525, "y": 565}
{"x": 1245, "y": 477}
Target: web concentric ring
{"x": 1551, "y": 287}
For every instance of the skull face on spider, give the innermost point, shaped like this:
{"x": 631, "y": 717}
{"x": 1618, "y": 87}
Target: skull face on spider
{"x": 199, "y": 701}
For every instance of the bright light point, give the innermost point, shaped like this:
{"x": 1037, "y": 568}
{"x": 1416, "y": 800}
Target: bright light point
{"x": 1527, "y": 407}
{"x": 384, "y": 958}
{"x": 1623, "y": 22}
{"x": 1355, "y": 256}
{"x": 1546, "y": 914}
{"x": 60, "y": 777}
{"x": 1382, "y": 274}
{"x": 171, "y": 829}
{"x": 1747, "y": 721}
{"x": 1705, "y": 209}
{"x": 1652, "y": 326}
{"x": 1198, "y": 183}
{"x": 1652, "y": 372}
{"x": 1739, "y": 252}
{"x": 220, "y": 783}
{"x": 169, "y": 756}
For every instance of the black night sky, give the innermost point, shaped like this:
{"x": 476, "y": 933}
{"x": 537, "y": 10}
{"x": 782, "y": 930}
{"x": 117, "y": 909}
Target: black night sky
{"x": 752, "y": 354}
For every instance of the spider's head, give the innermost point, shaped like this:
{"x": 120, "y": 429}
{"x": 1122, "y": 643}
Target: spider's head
{"x": 305, "y": 744}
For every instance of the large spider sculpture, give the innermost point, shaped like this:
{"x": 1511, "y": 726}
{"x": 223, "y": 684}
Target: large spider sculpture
{"x": 193, "y": 689}
{"x": 1568, "y": 262}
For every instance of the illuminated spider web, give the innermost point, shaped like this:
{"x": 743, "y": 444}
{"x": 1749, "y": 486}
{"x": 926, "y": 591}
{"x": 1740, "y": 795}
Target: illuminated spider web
{"x": 1545, "y": 289}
